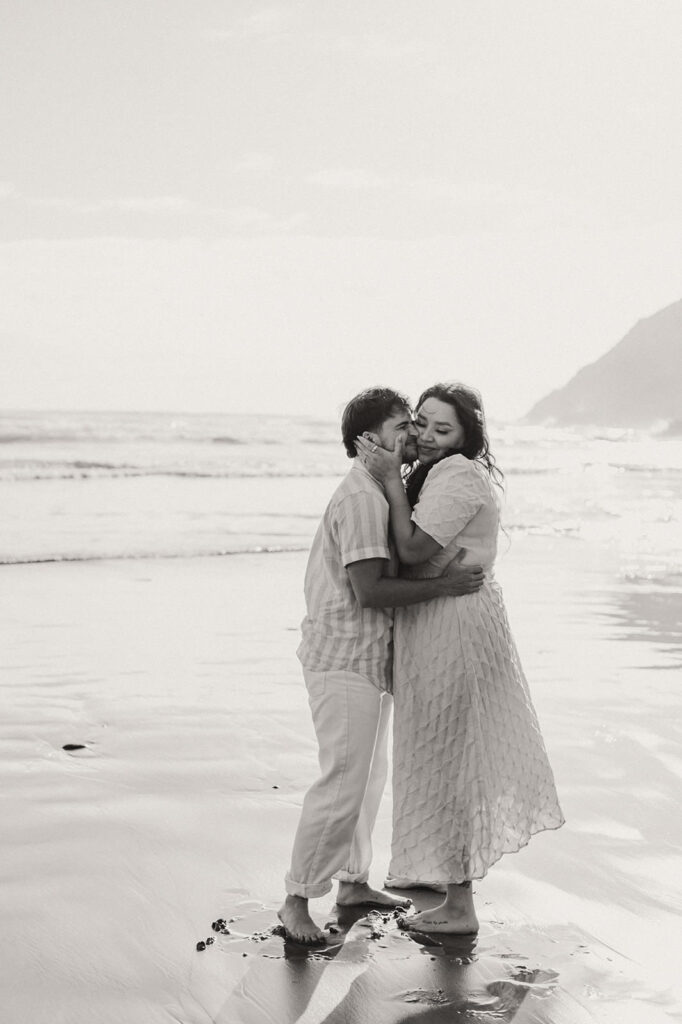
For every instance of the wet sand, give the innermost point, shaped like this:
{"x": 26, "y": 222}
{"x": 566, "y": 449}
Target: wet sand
{"x": 178, "y": 680}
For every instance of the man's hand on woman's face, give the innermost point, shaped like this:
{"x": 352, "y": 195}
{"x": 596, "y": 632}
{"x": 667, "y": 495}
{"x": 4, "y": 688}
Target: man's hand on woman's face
{"x": 381, "y": 463}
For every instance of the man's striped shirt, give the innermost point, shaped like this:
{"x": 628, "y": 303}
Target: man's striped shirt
{"x": 337, "y": 632}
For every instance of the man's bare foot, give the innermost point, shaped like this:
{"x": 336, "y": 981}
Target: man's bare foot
{"x": 298, "y": 923}
{"x": 359, "y": 894}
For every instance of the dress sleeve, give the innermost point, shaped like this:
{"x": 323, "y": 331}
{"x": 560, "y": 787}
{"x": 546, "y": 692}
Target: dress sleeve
{"x": 453, "y": 493}
{"x": 362, "y": 528}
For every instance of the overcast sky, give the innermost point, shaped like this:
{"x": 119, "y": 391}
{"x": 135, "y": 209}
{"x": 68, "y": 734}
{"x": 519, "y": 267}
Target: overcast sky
{"x": 237, "y": 206}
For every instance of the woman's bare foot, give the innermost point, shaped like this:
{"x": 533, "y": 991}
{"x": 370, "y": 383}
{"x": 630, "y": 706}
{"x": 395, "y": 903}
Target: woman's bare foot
{"x": 412, "y": 883}
{"x": 298, "y": 923}
{"x": 359, "y": 894}
{"x": 456, "y": 916}
{"x": 442, "y": 920}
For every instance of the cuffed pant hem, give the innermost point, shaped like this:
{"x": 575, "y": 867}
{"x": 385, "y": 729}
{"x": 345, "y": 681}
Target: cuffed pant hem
{"x": 349, "y": 876}
{"x": 308, "y": 891}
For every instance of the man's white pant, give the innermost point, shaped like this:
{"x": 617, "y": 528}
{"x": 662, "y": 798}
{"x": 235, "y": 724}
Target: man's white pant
{"x": 351, "y": 718}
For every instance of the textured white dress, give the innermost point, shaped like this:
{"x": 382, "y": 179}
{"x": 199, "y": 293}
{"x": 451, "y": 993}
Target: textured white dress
{"x": 471, "y": 778}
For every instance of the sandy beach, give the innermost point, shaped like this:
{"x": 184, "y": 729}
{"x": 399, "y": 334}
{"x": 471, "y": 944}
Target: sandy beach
{"x": 179, "y": 679}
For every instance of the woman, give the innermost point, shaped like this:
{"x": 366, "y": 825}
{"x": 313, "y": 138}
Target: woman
{"x": 471, "y": 776}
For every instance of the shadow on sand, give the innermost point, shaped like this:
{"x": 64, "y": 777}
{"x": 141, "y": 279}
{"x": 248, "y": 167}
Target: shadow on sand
{"x": 371, "y": 970}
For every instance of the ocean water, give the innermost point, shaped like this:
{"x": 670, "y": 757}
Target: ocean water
{"x": 84, "y": 486}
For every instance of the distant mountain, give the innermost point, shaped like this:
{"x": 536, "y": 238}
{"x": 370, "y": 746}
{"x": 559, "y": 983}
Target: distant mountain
{"x": 638, "y": 383}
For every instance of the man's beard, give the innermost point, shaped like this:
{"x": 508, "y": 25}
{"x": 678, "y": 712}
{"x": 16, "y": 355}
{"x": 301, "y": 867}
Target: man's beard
{"x": 409, "y": 455}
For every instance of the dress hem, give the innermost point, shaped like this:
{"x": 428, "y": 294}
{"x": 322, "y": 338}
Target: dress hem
{"x": 475, "y": 877}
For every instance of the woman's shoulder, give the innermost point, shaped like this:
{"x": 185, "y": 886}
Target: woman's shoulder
{"x": 466, "y": 472}
{"x": 454, "y": 465}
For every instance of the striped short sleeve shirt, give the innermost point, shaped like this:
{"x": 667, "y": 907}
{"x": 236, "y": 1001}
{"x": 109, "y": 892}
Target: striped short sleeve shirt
{"x": 337, "y": 632}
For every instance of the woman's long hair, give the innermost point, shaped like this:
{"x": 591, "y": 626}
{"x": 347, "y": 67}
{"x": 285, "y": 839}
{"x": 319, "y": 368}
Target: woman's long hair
{"x": 468, "y": 405}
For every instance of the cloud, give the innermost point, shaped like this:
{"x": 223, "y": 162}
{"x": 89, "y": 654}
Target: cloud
{"x": 169, "y": 212}
{"x": 266, "y": 22}
{"x": 378, "y": 47}
{"x": 125, "y": 204}
{"x": 243, "y": 217}
{"x": 254, "y": 163}
{"x": 348, "y": 178}
{"x": 460, "y": 193}
{"x": 150, "y": 204}
{"x": 329, "y": 200}
{"x": 422, "y": 189}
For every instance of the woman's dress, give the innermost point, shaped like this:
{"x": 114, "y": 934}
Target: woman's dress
{"x": 471, "y": 776}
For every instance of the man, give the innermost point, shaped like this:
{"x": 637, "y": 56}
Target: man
{"x": 351, "y": 590}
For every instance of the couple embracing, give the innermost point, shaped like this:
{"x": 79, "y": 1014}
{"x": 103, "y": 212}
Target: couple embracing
{"x": 403, "y": 609}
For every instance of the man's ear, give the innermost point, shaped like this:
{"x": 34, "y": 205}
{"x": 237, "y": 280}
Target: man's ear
{"x": 374, "y": 438}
